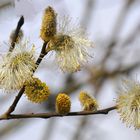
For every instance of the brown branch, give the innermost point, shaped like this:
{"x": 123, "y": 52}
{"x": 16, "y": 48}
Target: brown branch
{"x": 16, "y": 33}
{"x": 53, "y": 114}
{"x": 17, "y": 98}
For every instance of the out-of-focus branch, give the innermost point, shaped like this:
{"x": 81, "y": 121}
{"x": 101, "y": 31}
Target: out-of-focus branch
{"x": 82, "y": 124}
{"x": 132, "y": 36}
{"x": 116, "y": 29}
{"x": 13, "y": 126}
{"x": 48, "y": 130}
{"x": 86, "y": 17}
{"x": 98, "y": 73}
{"x": 50, "y": 115}
{"x": 5, "y": 4}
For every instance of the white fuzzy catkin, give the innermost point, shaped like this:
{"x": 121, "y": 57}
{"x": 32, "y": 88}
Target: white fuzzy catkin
{"x": 17, "y": 67}
{"x": 71, "y": 46}
{"x": 128, "y": 104}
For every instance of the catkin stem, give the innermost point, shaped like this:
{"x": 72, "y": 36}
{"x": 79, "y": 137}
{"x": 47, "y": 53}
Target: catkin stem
{"x": 17, "y": 98}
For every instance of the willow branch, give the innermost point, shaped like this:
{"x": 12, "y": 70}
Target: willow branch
{"x": 16, "y": 33}
{"x": 53, "y": 114}
{"x": 17, "y": 98}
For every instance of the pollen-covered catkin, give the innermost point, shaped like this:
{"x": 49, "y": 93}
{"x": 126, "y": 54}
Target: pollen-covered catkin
{"x": 36, "y": 91}
{"x": 71, "y": 46}
{"x": 88, "y": 103}
{"x": 17, "y": 67}
{"x": 63, "y": 104}
{"x": 128, "y": 104}
{"x": 48, "y": 27}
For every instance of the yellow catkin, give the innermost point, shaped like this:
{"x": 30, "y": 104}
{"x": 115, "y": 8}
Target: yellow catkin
{"x": 36, "y": 91}
{"x": 88, "y": 103}
{"x": 63, "y": 104}
{"x": 48, "y": 27}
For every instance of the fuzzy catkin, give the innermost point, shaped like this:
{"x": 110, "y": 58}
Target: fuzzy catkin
{"x": 88, "y": 103}
{"x": 36, "y": 91}
{"x": 128, "y": 104}
{"x": 17, "y": 67}
{"x": 48, "y": 27}
{"x": 71, "y": 46}
{"x": 63, "y": 104}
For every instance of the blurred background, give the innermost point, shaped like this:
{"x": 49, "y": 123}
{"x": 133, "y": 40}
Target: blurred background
{"x": 114, "y": 27}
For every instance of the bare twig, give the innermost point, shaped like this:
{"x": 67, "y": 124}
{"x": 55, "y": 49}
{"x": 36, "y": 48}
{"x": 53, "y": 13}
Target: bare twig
{"x": 16, "y": 33}
{"x": 53, "y": 114}
{"x": 14, "y": 104}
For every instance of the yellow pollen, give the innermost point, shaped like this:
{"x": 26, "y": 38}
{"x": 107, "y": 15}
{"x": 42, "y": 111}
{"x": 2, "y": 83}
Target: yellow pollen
{"x": 63, "y": 104}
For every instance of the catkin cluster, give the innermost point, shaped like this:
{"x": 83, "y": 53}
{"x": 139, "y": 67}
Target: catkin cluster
{"x": 70, "y": 44}
{"x": 67, "y": 41}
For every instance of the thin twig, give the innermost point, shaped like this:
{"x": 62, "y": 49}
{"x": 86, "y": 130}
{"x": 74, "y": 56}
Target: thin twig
{"x": 53, "y": 114}
{"x": 17, "y": 98}
{"x": 16, "y": 33}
